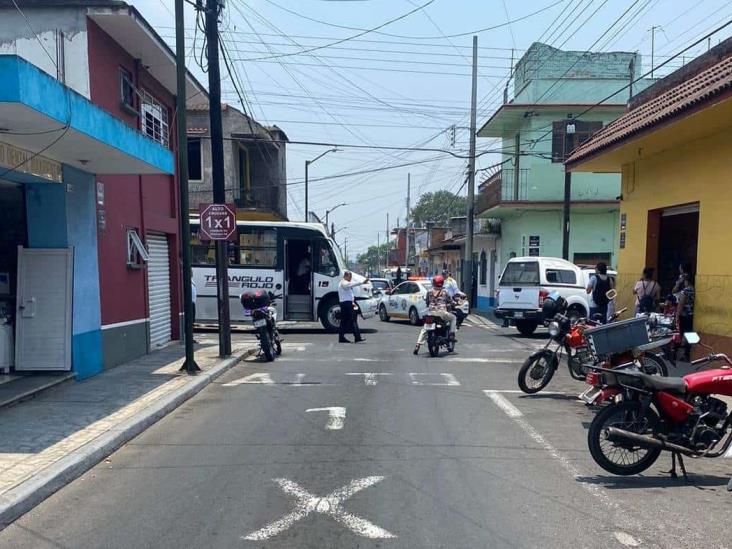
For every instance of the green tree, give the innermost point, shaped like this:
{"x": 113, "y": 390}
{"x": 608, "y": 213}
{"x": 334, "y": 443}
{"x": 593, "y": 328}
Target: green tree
{"x": 439, "y": 207}
{"x": 374, "y": 256}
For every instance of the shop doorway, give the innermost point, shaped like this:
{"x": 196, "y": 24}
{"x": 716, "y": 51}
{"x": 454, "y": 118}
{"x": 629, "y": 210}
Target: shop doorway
{"x": 673, "y": 236}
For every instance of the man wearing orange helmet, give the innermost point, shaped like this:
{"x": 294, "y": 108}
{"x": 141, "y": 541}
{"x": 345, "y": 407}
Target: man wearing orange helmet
{"x": 438, "y": 302}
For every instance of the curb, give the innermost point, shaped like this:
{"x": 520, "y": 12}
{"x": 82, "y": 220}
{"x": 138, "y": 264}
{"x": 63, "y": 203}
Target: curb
{"x": 33, "y": 491}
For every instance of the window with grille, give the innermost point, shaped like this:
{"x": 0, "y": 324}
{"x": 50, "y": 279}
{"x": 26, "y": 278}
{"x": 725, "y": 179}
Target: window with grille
{"x": 154, "y": 119}
{"x": 563, "y": 144}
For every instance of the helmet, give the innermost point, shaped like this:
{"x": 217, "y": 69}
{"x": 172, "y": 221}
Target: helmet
{"x": 554, "y": 304}
{"x": 438, "y": 281}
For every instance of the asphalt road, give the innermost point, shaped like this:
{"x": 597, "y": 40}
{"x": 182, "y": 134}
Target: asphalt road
{"x": 339, "y": 446}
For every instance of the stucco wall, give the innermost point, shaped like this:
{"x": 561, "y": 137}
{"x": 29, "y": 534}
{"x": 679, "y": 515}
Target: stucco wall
{"x": 697, "y": 172}
{"x": 16, "y": 38}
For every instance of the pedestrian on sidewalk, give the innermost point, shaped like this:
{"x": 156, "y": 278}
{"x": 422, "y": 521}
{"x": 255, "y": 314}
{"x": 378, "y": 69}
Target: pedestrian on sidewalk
{"x": 647, "y": 293}
{"x": 348, "y": 305}
{"x": 600, "y": 284}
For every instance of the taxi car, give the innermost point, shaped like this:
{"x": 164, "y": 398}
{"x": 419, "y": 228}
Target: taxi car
{"x": 406, "y": 301}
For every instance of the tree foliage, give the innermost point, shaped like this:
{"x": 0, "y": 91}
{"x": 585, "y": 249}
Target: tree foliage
{"x": 374, "y": 256}
{"x": 439, "y": 207}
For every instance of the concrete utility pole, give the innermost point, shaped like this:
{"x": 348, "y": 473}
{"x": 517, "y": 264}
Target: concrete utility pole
{"x": 386, "y": 254}
{"x": 378, "y": 255}
{"x": 189, "y": 365}
{"x": 213, "y": 9}
{"x": 653, "y": 47}
{"x": 468, "y": 260}
{"x": 568, "y": 139}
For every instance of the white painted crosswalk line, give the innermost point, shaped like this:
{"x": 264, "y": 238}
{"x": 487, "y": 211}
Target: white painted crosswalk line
{"x": 369, "y": 378}
{"x": 336, "y": 416}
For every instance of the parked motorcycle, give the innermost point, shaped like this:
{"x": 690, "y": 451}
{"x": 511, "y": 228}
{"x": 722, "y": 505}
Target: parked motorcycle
{"x": 438, "y": 335}
{"x": 568, "y": 338}
{"x": 461, "y": 310}
{"x": 651, "y": 414}
{"x": 260, "y": 306}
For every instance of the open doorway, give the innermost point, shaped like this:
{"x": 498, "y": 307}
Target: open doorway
{"x": 299, "y": 272}
{"x": 673, "y": 240}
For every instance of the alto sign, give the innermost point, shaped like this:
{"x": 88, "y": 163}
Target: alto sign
{"x": 218, "y": 221}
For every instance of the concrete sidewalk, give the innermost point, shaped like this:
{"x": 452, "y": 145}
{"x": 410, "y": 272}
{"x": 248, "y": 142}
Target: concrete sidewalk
{"x": 50, "y": 440}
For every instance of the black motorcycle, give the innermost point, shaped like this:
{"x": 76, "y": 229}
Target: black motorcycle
{"x": 438, "y": 335}
{"x": 260, "y": 306}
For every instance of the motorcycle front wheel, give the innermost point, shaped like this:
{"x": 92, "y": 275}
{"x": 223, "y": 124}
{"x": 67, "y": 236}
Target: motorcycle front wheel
{"x": 537, "y": 371}
{"x": 623, "y": 458}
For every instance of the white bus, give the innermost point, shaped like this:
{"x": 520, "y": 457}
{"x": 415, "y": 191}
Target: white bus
{"x": 297, "y": 260}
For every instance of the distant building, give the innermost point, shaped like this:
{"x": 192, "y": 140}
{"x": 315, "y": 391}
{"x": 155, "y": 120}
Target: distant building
{"x": 543, "y": 122}
{"x": 255, "y": 164}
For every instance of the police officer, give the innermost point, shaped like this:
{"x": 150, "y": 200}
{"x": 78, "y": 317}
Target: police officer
{"x": 345, "y": 296}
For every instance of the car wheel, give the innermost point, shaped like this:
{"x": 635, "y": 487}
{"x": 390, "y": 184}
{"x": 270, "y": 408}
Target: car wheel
{"x": 383, "y": 316}
{"x": 413, "y": 317}
{"x": 526, "y": 327}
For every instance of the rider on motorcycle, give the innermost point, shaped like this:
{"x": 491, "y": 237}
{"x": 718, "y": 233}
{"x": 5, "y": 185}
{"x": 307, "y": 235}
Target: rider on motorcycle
{"x": 438, "y": 302}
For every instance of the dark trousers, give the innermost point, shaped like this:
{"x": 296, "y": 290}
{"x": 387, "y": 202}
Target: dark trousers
{"x": 686, "y": 324}
{"x": 349, "y": 322}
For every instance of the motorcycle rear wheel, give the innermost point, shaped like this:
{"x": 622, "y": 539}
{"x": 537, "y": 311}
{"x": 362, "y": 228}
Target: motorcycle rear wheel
{"x": 622, "y": 458}
{"x": 432, "y": 345}
{"x": 653, "y": 365}
{"x": 267, "y": 345}
{"x": 537, "y": 371}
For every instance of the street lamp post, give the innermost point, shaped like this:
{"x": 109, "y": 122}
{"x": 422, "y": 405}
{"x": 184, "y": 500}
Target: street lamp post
{"x": 327, "y": 213}
{"x": 307, "y": 165}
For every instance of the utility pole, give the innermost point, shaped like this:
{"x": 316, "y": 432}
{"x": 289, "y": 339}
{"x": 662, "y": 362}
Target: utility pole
{"x": 213, "y": 7}
{"x": 307, "y": 165}
{"x": 468, "y": 261}
{"x": 386, "y": 253}
{"x": 378, "y": 255}
{"x": 568, "y": 141}
{"x": 409, "y": 247}
{"x": 189, "y": 365}
{"x": 653, "y": 47}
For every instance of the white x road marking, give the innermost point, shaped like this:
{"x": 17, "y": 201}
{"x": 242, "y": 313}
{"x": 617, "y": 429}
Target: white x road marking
{"x": 336, "y": 416}
{"x": 331, "y": 505}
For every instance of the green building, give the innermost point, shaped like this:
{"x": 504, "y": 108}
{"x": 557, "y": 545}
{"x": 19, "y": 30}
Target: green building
{"x": 543, "y": 122}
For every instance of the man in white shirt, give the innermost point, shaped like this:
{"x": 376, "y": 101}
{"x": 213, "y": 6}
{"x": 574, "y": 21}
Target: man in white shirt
{"x": 345, "y": 296}
{"x": 451, "y": 285}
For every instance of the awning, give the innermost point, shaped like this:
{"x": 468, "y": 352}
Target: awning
{"x": 39, "y": 114}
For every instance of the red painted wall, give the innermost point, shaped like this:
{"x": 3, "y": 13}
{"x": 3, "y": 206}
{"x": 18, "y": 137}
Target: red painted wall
{"x": 148, "y": 203}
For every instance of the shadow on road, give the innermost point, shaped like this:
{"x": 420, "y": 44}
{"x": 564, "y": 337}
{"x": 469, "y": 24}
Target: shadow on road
{"x": 659, "y": 481}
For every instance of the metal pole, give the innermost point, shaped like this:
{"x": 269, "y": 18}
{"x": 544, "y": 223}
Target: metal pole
{"x": 378, "y": 254}
{"x": 217, "y": 165}
{"x": 307, "y": 163}
{"x": 653, "y": 48}
{"x": 386, "y": 254}
{"x": 408, "y": 246}
{"x": 189, "y": 365}
{"x": 468, "y": 270}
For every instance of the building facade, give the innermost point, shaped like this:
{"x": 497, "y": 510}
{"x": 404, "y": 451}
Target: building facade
{"x": 87, "y": 178}
{"x": 537, "y": 128}
{"x": 255, "y": 164}
{"x": 672, "y": 149}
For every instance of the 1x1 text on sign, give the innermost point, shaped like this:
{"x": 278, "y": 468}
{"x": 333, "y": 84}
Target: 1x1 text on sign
{"x": 218, "y": 221}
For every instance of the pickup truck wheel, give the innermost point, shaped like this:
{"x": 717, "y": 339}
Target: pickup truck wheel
{"x": 575, "y": 313}
{"x": 526, "y": 327}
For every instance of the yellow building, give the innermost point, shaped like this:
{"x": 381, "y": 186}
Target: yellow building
{"x": 673, "y": 147}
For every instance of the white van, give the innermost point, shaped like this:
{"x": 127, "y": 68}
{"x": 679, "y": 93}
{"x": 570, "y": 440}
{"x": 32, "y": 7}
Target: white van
{"x": 297, "y": 260}
{"x": 527, "y": 281}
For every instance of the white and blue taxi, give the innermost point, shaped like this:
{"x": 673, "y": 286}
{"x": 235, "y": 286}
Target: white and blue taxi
{"x": 406, "y": 301}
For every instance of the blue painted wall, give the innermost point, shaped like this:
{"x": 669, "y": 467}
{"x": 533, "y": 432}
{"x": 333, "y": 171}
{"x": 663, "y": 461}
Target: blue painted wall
{"x": 81, "y": 230}
{"x": 46, "y": 215}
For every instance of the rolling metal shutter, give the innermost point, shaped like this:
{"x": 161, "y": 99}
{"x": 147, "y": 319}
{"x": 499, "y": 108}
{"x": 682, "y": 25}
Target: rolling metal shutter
{"x": 158, "y": 289}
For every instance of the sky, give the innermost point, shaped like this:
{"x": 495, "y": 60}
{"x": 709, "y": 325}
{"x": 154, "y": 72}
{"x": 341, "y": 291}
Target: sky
{"x": 313, "y": 68}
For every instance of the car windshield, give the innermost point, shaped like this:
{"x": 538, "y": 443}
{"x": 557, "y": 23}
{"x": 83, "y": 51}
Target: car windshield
{"x": 380, "y": 284}
{"x": 521, "y": 273}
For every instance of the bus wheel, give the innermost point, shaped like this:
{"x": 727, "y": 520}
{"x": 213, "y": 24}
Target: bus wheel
{"x": 330, "y": 314}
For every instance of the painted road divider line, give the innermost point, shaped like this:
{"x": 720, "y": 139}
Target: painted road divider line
{"x": 336, "y": 416}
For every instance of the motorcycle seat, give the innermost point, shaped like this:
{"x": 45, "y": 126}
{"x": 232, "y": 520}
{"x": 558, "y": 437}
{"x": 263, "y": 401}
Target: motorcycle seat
{"x": 668, "y": 384}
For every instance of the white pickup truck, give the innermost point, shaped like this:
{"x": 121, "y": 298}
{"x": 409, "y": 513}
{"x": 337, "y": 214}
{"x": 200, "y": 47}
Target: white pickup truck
{"x": 527, "y": 281}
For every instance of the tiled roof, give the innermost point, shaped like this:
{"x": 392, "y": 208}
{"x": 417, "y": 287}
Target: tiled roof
{"x": 694, "y": 92}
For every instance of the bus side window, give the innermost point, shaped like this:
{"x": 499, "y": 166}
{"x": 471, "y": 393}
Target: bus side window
{"x": 326, "y": 264}
{"x": 258, "y": 247}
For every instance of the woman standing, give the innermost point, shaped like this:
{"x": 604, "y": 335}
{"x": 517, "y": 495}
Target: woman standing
{"x": 685, "y": 309}
{"x": 647, "y": 293}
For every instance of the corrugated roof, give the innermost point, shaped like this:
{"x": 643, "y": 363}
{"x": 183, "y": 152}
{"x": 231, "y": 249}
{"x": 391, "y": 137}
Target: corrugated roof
{"x": 691, "y": 94}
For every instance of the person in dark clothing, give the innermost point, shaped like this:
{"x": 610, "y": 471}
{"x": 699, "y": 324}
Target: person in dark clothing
{"x": 685, "y": 310}
{"x": 399, "y": 278}
{"x": 600, "y": 284}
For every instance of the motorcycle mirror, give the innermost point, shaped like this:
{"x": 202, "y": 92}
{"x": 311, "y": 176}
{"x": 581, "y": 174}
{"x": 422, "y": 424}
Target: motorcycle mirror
{"x": 692, "y": 338}
{"x": 611, "y": 294}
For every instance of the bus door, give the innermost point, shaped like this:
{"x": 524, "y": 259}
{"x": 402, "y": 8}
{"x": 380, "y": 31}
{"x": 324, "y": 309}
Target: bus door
{"x": 298, "y": 288}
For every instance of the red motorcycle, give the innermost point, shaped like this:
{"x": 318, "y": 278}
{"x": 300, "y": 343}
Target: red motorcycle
{"x": 651, "y": 414}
